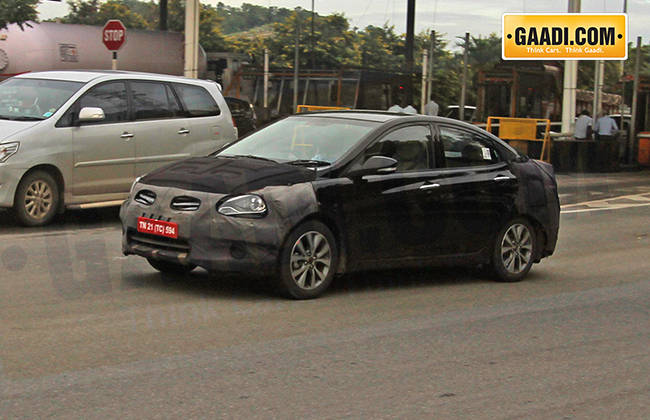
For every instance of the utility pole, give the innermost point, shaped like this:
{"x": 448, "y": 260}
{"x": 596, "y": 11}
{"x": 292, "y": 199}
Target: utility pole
{"x": 296, "y": 62}
{"x": 599, "y": 78}
{"x": 570, "y": 83}
{"x": 635, "y": 98}
{"x": 463, "y": 88}
{"x": 410, "y": 35}
{"x": 266, "y": 84}
{"x": 163, "y": 15}
{"x": 311, "y": 38}
{"x": 423, "y": 94}
{"x": 432, "y": 46}
{"x": 192, "y": 11}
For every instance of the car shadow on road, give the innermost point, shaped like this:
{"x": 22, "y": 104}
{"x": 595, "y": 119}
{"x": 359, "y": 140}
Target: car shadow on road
{"x": 71, "y": 219}
{"x": 250, "y": 288}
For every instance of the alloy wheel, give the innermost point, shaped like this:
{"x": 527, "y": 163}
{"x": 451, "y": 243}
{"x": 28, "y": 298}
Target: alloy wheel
{"x": 38, "y": 199}
{"x": 516, "y": 248}
{"x": 311, "y": 258}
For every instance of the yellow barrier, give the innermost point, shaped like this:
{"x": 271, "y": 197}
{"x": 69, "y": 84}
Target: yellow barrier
{"x": 307, "y": 108}
{"x": 518, "y": 131}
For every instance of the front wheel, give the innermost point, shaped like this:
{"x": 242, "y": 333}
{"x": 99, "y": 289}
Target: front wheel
{"x": 37, "y": 199}
{"x": 308, "y": 261}
{"x": 168, "y": 267}
{"x": 514, "y": 251}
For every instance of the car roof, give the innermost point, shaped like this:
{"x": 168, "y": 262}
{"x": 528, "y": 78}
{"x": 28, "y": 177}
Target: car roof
{"x": 365, "y": 115}
{"x": 86, "y": 76}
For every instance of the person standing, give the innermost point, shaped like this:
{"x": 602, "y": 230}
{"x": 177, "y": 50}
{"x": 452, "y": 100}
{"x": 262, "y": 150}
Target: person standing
{"x": 431, "y": 108}
{"x": 606, "y": 147}
{"x": 584, "y": 125}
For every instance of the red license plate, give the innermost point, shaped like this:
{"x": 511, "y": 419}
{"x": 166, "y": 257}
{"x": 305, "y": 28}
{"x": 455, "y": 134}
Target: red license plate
{"x": 158, "y": 227}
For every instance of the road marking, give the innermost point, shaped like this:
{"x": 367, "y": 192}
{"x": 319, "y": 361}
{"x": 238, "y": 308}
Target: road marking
{"x": 637, "y": 200}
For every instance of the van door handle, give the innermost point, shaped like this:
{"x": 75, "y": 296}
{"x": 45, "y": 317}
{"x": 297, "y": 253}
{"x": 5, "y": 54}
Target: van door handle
{"x": 126, "y": 135}
{"x": 502, "y": 178}
{"x": 183, "y": 131}
{"x": 427, "y": 186}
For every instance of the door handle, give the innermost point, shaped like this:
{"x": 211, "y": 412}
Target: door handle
{"x": 428, "y": 186}
{"x": 502, "y": 178}
{"x": 183, "y": 131}
{"x": 126, "y": 135}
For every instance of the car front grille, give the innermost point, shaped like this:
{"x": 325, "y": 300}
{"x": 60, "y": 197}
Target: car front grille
{"x": 184, "y": 203}
{"x": 145, "y": 197}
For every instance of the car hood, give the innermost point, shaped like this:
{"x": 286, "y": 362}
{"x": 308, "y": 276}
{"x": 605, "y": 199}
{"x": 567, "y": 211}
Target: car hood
{"x": 9, "y": 129}
{"x": 227, "y": 175}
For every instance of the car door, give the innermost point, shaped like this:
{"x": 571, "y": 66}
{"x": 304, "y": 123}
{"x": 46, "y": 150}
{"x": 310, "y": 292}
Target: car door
{"x": 104, "y": 151}
{"x": 163, "y": 133}
{"x": 386, "y": 215}
{"x": 474, "y": 186}
{"x": 210, "y": 127}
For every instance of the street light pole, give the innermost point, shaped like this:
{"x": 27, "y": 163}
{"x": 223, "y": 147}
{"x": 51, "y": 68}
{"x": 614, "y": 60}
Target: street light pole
{"x": 570, "y": 83}
{"x": 296, "y": 62}
{"x": 463, "y": 88}
{"x": 311, "y": 38}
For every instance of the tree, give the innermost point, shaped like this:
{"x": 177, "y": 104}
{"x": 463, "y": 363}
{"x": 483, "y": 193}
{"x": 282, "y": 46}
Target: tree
{"x": 17, "y": 11}
{"x": 92, "y": 12}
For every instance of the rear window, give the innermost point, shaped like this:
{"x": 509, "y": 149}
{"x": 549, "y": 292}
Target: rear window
{"x": 197, "y": 101}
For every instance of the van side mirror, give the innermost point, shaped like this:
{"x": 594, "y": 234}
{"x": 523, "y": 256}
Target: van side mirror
{"x": 376, "y": 165}
{"x": 91, "y": 114}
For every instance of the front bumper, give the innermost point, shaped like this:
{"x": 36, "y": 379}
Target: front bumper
{"x": 206, "y": 238}
{"x": 9, "y": 179}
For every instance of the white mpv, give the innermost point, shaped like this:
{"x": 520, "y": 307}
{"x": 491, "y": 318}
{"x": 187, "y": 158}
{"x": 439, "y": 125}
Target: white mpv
{"x": 78, "y": 139}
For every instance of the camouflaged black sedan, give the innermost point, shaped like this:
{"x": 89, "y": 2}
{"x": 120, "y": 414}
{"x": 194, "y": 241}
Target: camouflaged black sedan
{"x": 315, "y": 195}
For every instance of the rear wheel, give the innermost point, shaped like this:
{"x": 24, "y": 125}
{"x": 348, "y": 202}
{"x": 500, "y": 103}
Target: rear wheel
{"x": 309, "y": 261}
{"x": 514, "y": 251}
{"x": 37, "y": 199}
{"x": 169, "y": 267}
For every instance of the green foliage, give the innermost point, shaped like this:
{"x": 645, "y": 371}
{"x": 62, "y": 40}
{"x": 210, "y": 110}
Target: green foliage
{"x": 249, "y": 16}
{"x": 92, "y": 12}
{"x": 17, "y": 11}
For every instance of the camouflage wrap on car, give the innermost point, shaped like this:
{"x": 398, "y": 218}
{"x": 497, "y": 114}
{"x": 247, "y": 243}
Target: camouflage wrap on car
{"x": 214, "y": 241}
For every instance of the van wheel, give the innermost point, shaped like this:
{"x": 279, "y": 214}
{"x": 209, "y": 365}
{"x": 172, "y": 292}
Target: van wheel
{"x": 514, "y": 251}
{"x": 37, "y": 199}
{"x": 308, "y": 261}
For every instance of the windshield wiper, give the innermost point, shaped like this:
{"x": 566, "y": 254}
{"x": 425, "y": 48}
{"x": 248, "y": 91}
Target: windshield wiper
{"x": 251, "y": 157}
{"x": 309, "y": 162}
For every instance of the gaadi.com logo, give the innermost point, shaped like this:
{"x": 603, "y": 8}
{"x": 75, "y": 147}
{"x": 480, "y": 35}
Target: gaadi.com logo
{"x": 568, "y": 36}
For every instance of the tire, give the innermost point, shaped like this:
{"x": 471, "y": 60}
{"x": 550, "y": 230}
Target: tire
{"x": 308, "y": 261}
{"x": 168, "y": 267}
{"x": 37, "y": 199}
{"x": 514, "y": 251}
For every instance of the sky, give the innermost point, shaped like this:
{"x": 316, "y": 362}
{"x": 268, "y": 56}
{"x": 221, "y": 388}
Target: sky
{"x": 453, "y": 17}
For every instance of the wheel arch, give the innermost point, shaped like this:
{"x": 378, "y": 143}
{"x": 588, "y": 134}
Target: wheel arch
{"x": 56, "y": 174}
{"x": 337, "y": 231}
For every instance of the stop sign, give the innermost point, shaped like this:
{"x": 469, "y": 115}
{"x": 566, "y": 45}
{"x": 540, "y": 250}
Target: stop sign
{"x": 114, "y": 34}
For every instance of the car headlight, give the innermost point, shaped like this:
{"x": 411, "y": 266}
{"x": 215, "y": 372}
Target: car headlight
{"x": 7, "y": 150}
{"x": 243, "y": 205}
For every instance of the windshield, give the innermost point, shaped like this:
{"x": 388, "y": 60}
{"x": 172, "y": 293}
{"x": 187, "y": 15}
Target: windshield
{"x": 303, "y": 139}
{"x": 34, "y": 99}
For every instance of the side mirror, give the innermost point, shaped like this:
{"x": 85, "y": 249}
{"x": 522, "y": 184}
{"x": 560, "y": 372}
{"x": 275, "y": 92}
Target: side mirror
{"x": 376, "y": 165}
{"x": 90, "y": 114}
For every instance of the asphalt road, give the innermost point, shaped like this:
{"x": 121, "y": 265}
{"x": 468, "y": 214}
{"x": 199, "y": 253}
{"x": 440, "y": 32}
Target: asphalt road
{"x": 88, "y": 333}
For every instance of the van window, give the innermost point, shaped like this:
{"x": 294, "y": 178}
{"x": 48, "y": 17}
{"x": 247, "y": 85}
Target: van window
{"x": 153, "y": 100}
{"x": 111, "y": 97}
{"x": 197, "y": 101}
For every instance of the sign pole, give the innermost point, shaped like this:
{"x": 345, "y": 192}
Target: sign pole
{"x": 114, "y": 67}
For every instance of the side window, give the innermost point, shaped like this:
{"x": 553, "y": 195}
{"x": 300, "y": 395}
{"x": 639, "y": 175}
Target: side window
{"x": 408, "y": 145}
{"x": 464, "y": 148}
{"x": 111, "y": 97}
{"x": 152, "y": 100}
{"x": 197, "y": 101}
